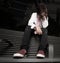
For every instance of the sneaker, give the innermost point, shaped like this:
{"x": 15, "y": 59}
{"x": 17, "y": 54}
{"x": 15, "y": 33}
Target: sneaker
{"x": 20, "y": 54}
{"x": 40, "y": 54}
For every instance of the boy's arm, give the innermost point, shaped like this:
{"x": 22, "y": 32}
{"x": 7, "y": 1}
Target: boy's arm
{"x": 32, "y": 21}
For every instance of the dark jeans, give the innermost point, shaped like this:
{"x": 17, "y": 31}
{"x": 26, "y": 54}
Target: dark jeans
{"x": 29, "y": 33}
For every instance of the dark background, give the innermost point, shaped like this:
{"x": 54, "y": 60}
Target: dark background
{"x": 14, "y": 14}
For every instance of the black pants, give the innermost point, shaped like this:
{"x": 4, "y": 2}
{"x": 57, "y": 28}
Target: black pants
{"x": 29, "y": 33}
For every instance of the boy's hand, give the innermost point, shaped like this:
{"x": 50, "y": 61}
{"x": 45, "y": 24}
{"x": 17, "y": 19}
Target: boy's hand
{"x": 37, "y": 30}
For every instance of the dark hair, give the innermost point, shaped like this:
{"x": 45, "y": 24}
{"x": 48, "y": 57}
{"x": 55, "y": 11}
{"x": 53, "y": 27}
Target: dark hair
{"x": 42, "y": 8}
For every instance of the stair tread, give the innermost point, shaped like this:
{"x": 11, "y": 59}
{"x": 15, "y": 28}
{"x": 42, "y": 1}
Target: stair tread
{"x": 10, "y": 59}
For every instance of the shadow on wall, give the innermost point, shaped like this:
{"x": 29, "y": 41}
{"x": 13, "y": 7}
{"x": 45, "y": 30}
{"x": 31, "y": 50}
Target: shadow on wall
{"x": 52, "y": 28}
{"x": 58, "y": 21}
{"x": 6, "y": 20}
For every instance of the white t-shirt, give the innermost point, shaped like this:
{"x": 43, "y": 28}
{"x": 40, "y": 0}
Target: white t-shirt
{"x": 33, "y": 20}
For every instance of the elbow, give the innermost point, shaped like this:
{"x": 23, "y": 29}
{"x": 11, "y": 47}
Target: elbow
{"x": 45, "y": 25}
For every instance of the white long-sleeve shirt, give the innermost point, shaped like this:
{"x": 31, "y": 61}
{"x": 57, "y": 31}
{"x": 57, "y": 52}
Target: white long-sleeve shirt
{"x": 33, "y": 20}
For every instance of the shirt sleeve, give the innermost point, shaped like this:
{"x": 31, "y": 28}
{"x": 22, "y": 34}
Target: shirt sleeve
{"x": 32, "y": 20}
{"x": 45, "y": 23}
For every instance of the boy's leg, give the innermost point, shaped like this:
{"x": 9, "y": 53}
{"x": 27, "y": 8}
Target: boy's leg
{"x": 25, "y": 43}
{"x": 26, "y": 38}
{"x": 43, "y": 42}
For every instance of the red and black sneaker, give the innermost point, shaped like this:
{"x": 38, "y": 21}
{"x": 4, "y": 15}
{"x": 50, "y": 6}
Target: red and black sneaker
{"x": 40, "y": 54}
{"x": 20, "y": 54}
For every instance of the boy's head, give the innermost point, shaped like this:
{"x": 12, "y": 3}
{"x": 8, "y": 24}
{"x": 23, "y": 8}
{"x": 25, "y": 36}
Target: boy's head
{"x": 42, "y": 10}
